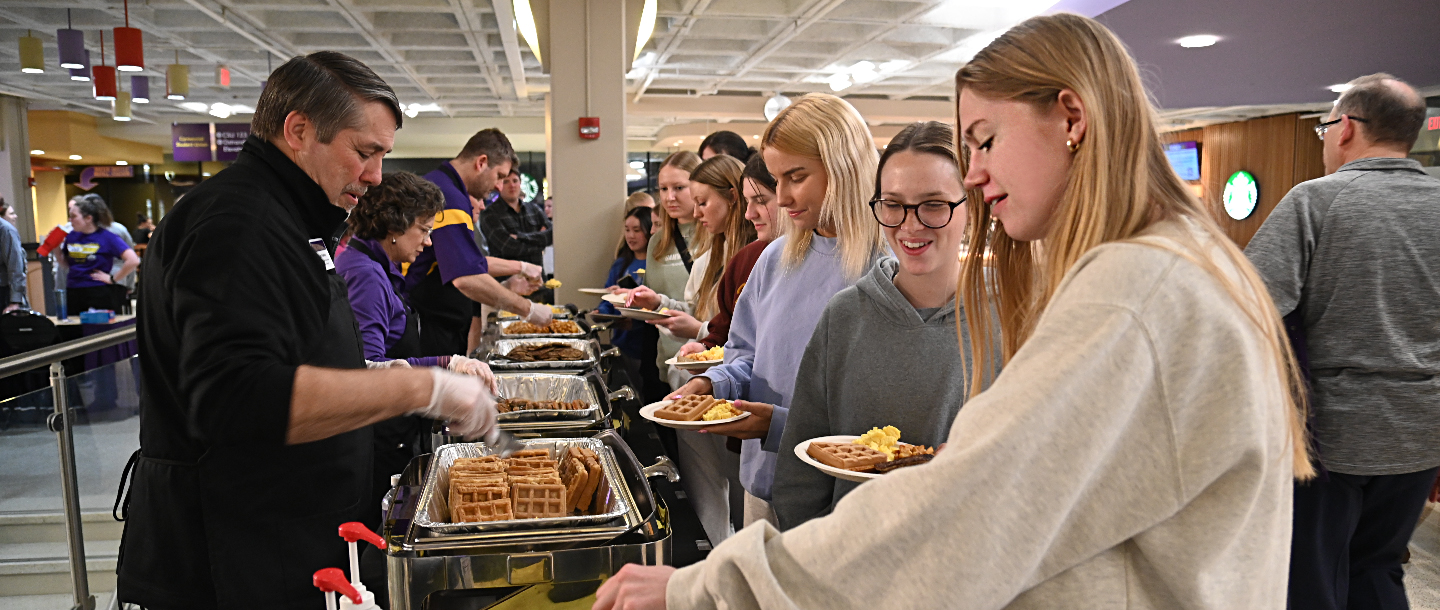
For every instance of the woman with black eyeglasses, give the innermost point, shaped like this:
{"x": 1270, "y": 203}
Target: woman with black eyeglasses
{"x": 884, "y": 352}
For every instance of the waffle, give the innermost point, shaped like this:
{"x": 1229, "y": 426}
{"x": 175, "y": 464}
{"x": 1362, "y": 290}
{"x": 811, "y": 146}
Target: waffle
{"x": 592, "y": 481}
{"x": 511, "y": 405}
{"x": 846, "y": 456}
{"x": 538, "y": 501}
{"x": 687, "y": 408}
{"x": 914, "y": 460}
{"x": 476, "y": 467}
{"x": 494, "y": 510}
{"x": 529, "y": 453}
{"x": 546, "y": 479}
{"x": 535, "y": 462}
{"x": 467, "y": 492}
{"x": 576, "y": 476}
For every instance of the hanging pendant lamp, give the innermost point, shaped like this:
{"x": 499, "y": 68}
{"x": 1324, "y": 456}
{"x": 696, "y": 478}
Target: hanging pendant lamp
{"x": 72, "y": 46}
{"x": 32, "y": 54}
{"x": 82, "y": 73}
{"x": 177, "y": 79}
{"x": 103, "y": 75}
{"x": 140, "y": 89}
{"x": 121, "y": 110}
{"x": 129, "y": 50}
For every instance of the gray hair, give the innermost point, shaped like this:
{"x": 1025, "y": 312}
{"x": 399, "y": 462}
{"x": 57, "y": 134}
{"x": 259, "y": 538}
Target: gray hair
{"x": 327, "y": 87}
{"x": 1393, "y": 112}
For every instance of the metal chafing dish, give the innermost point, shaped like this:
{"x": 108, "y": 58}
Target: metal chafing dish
{"x": 506, "y": 324}
{"x": 557, "y": 311}
{"x": 495, "y": 358}
{"x": 547, "y": 386}
{"x": 428, "y": 562}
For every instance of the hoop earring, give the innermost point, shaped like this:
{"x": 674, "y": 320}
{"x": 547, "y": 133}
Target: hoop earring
{"x": 1071, "y": 145}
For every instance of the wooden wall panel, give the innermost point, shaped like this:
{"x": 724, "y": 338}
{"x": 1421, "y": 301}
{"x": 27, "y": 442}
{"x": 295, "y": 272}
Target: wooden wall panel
{"x": 1265, "y": 147}
{"x": 1309, "y": 151}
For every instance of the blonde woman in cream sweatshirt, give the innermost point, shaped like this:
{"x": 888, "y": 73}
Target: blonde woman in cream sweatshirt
{"x": 1139, "y": 447}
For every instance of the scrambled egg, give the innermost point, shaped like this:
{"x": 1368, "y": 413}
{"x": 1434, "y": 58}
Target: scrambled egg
{"x": 885, "y": 441}
{"x": 721, "y": 410}
{"x": 552, "y": 283}
{"x": 714, "y": 353}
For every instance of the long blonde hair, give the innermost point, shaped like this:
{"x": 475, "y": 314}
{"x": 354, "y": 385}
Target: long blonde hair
{"x": 721, "y": 173}
{"x": 825, "y": 127}
{"x": 685, "y": 161}
{"x": 1119, "y": 185}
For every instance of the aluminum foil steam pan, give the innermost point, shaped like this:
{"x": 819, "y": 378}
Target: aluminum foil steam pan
{"x": 503, "y": 346}
{"x": 434, "y": 513}
{"x": 547, "y": 386}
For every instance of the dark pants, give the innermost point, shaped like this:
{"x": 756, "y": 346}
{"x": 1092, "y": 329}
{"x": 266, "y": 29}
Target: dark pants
{"x": 1350, "y": 535}
{"x": 94, "y": 297}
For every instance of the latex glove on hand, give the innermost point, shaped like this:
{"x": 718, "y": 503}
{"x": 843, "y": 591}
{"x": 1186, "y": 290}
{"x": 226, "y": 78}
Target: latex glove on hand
{"x": 461, "y": 400}
{"x": 388, "y": 364}
{"x": 540, "y": 314}
{"x": 531, "y": 270}
{"x": 471, "y": 366}
{"x": 521, "y": 285}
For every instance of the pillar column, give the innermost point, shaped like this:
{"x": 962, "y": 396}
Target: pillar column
{"x": 15, "y": 163}
{"x": 587, "y": 62}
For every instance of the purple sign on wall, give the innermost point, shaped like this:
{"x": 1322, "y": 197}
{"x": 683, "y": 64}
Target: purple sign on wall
{"x": 191, "y": 141}
{"x": 229, "y": 138}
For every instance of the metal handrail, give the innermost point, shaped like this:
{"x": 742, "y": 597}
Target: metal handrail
{"x": 35, "y": 359}
{"x": 61, "y": 422}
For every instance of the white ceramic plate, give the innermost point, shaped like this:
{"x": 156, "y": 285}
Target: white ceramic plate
{"x": 595, "y": 290}
{"x": 641, "y": 314}
{"x": 693, "y": 365}
{"x": 648, "y": 412}
{"x": 614, "y": 299}
{"x": 802, "y": 451}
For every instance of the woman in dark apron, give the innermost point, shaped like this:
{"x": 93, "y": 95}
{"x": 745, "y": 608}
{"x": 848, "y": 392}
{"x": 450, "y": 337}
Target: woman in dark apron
{"x": 391, "y": 224}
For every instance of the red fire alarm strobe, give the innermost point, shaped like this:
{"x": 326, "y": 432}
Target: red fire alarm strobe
{"x": 590, "y": 127}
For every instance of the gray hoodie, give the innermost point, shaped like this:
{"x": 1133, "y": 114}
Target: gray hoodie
{"x": 872, "y": 362}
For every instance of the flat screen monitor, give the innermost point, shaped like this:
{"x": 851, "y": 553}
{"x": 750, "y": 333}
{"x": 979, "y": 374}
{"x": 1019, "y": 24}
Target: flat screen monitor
{"x": 1185, "y": 158}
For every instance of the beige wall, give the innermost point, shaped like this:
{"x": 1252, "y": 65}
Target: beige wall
{"x": 50, "y": 202}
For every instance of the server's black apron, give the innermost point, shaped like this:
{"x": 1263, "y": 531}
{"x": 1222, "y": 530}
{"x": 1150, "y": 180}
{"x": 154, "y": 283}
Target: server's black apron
{"x": 396, "y": 439}
{"x": 247, "y": 527}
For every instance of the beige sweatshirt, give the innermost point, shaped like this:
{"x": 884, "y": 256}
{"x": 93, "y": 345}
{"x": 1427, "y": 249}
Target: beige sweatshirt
{"x": 1133, "y": 455}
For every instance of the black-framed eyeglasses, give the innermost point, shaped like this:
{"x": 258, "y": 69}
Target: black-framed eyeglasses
{"x": 932, "y": 214}
{"x": 1323, "y": 127}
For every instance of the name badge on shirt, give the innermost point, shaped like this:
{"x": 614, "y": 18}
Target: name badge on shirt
{"x": 319, "y": 246}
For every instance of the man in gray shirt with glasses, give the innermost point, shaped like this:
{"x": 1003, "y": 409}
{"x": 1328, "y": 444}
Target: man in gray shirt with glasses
{"x": 1354, "y": 258}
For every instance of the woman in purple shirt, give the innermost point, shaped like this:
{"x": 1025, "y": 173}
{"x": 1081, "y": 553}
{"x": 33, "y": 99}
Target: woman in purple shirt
{"x": 90, "y": 253}
{"x": 391, "y": 225}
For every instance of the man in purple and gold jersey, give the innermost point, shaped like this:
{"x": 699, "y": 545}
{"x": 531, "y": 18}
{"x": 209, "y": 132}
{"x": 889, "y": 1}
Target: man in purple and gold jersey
{"x": 453, "y": 274}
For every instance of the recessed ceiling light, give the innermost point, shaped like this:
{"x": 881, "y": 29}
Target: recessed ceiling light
{"x": 1198, "y": 41}
{"x": 75, "y": 157}
{"x": 122, "y": 163}
{"x": 37, "y": 152}
{"x": 1341, "y": 88}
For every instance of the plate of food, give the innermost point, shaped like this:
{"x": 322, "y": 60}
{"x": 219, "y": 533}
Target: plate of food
{"x": 692, "y": 412}
{"x": 861, "y": 458}
{"x": 614, "y": 299}
{"x": 643, "y": 314}
{"x": 601, "y": 291}
{"x": 699, "y": 361}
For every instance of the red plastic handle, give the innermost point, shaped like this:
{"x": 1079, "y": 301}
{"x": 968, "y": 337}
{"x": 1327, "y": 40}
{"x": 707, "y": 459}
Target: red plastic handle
{"x": 332, "y": 579}
{"x": 355, "y": 530}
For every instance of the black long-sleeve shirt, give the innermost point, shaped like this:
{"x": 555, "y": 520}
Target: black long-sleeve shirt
{"x": 520, "y": 236}
{"x": 235, "y": 296}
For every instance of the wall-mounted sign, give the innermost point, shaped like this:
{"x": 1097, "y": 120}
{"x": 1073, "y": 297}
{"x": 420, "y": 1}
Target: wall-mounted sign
{"x": 191, "y": 141}
{"x": 1242, "y": 193}
{"x": 229, "y": 138}
{"x": 89, "y": 174}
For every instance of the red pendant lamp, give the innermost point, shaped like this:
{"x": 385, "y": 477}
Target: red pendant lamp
{"x": 103, "y": 75}
{"x": 129, "y": 51}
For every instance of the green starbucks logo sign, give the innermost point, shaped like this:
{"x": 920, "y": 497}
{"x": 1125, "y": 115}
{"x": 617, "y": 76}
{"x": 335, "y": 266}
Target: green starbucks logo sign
{"x": 1241, "y": 195}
